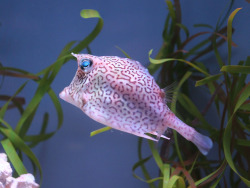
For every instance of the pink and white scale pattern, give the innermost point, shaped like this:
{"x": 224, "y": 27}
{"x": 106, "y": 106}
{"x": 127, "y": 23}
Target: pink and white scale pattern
{"x": 120, "y": 93}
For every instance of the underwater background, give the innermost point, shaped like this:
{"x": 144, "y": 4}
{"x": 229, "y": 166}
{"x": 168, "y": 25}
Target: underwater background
{"x": 33, "y": 33}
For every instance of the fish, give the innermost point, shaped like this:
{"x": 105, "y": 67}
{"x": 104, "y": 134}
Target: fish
{"x": 120, "y": 93}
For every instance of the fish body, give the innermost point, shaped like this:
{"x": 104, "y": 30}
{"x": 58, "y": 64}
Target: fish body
{"x": 120, "y": 93}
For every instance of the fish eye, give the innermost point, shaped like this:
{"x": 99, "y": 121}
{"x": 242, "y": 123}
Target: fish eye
{"x": 86, "y": 64}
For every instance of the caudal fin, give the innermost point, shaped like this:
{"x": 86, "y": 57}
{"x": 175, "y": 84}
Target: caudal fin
{"x": 203, "y": 143}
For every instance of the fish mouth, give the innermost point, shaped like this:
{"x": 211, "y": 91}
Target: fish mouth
{"x": 64, "y": 95}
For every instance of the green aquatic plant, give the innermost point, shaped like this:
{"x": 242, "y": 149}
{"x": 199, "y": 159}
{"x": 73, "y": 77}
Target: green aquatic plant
{"x": 178, "y": 167}
{"x": 229, "y": 91}
{"x": 15, "y": 138}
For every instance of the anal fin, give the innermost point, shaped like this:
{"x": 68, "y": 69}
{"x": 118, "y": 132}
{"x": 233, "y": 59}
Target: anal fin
{"x": 159, "y": 135}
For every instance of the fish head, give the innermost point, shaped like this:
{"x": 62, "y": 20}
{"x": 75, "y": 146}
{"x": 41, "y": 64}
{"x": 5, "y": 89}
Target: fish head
{"x": 86, "y": 69}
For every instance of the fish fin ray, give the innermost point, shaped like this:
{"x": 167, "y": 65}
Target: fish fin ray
{"x": 169, "y": 92}
{"x": 148, "y": 137}
{"x": 159, "y": 135}
{"x": 203, "y": 143}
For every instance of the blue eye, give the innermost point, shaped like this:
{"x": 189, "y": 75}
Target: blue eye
{"x": 86, "y": 64}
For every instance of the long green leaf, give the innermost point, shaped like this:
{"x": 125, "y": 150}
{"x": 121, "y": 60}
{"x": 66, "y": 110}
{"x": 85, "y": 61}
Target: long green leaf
{"x": 66, "y": 49}
{"x": 125, "y": 53}
{"x": 215, "y": 184}
{"x": 160, "y": 61}
{"x": 57, "y": 106}
{"x": 225, "y": 12}
{"x": 38, "y": 138}
{"x": 184, "y": 28}
{"x": 143, "y": 168}
{"x": 86, "y": 13}
{"x": 173, "y": 109}
{"x": 227, "y": 152}
{"x": 18, "y": 73}
{"x": 4, "y": 108}
{"x": 192, "y": 109}
{"x": 242, "y": 77}
{"x": 245, "y": 107}
{"x": 166, "y": 174}
{"x": 217, "y": 172}
{"x": 156, "y": 155}
{"x": 171, "y": 10}
{"x": 2, "y": 121}
{"x": 13, "y": 156}
{"x": 177, "y": 89}
{"x": 19, "y": 143}
{"x": 207, "y": 79}
{"x": 236, "y": 69}
{"x": 178, "y": 151}
{"x": 43, "y": 88}
{"x": 140, "y": 163}
{"x": 216, "y": 52}
{"x": 203, "y": 25}
{"x": 166, "y": 28}
{"x": 176, "y": 181}
{"x": 101, "y": 130}
{"x": 229, "y": 33}
{"x": 243, "y": 142}
{"x": 244, "y": 95}
{"x": 89, "y": 13}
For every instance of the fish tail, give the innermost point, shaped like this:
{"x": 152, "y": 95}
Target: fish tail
{"x": 203, "y": 143}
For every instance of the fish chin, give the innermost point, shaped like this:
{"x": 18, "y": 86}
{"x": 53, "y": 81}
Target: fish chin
{"x": 66, "y": 97}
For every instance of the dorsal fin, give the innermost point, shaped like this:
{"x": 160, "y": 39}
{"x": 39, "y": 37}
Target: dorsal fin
{"x": 169, "y": 92}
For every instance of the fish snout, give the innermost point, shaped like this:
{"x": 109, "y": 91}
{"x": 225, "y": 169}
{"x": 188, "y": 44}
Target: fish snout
{"x": 64, "y": 95}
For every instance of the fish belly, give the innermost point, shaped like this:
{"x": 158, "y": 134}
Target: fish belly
{"x": 132, "y": 117}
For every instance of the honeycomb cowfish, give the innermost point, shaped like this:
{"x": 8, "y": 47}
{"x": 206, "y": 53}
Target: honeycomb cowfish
{"x": 120, "y": 93}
